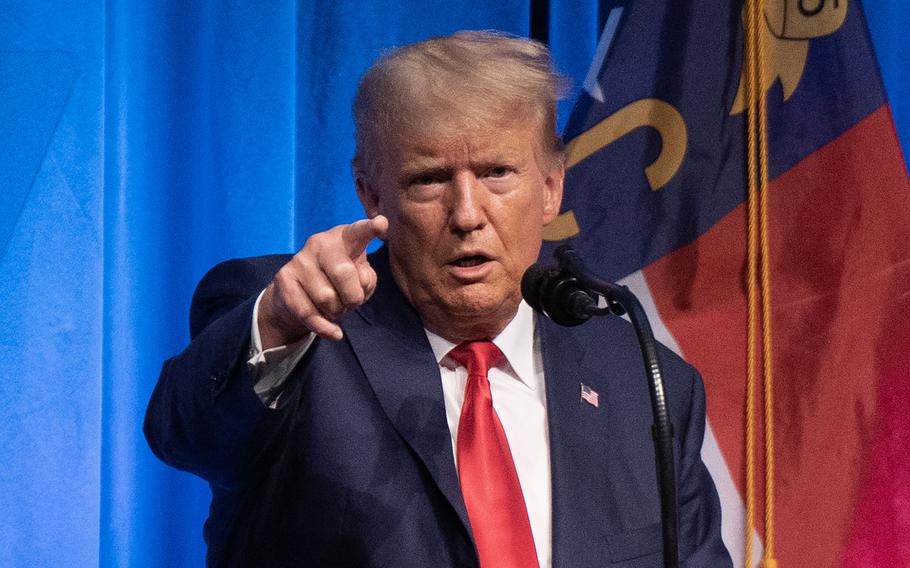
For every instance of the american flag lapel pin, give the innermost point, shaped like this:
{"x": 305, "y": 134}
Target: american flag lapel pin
{"x": 589, "y": 395}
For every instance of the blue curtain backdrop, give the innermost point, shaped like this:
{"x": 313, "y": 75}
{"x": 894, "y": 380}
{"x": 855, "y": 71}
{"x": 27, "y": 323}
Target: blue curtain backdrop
{"x": 142, "y": 142}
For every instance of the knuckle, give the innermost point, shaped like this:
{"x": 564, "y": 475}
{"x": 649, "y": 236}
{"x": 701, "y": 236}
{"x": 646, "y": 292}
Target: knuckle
{"x": 302, "y": 310}
{"x": 315, "y": 241}
{"x": 281, "y": 276}
{"x": 365, "y": 272}
{"x": 354, "y": 297}
{"x": 370, "y": 280}
{"x": 305, "y": 263}
{"x": 325, "y": 298}
{"x": 279, "y": 286}
{"x": 343, "y": 271}
{"x": 319, "y": 241}
{"x": 368, "y": 289}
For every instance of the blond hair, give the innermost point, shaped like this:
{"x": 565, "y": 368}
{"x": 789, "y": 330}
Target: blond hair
{"x": 468, "y": 80}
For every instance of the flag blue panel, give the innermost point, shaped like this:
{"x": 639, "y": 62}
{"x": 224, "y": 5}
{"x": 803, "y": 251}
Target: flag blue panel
{"x": 691, "y": 70}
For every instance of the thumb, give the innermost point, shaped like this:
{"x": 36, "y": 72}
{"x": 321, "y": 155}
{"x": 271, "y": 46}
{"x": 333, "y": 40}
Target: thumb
{"x": 358, "y": 235}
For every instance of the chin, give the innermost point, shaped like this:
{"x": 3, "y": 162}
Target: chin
{"x": 480, "y": 305}
{"x": 468, "y": 313}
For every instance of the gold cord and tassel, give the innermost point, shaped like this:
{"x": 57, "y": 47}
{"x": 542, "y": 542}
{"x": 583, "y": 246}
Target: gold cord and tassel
{"x": 758, "y": 263}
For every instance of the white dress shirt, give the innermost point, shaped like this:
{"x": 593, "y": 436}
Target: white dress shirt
{"x": 520, "y": 401}
{"x": 519, "y": 398}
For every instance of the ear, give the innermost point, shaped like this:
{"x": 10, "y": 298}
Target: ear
{"x": 552, "y": 196}
{"x": 366, "y": 192}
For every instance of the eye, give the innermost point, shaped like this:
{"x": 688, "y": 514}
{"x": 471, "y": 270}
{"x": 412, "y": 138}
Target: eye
{"x": 425, "y": 186}
{"x": 425, "y": 179}
{"x": 498, "y": 171}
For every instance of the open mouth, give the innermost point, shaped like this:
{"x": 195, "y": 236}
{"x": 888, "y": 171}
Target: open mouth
{"x": 469, "y": 261}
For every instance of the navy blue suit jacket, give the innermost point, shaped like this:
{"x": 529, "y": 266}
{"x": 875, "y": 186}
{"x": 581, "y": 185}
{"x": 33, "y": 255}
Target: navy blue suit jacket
{"x": 355, "y": 467}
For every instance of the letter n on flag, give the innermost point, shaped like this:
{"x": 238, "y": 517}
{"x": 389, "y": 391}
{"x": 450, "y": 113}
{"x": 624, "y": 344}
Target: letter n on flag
{"x": 655, "y": 197}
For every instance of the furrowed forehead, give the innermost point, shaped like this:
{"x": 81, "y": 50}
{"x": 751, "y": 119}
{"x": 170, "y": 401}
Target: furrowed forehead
{"x": 442, "y": 140}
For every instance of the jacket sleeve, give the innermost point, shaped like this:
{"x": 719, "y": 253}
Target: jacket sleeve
{"x": 700, "y": 542}
{"x": 204, "y": 416}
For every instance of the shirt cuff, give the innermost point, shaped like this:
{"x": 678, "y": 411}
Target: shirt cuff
{"x": 272, "y": 367}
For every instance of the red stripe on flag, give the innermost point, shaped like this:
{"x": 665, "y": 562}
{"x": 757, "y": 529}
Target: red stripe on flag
{"x": 840, "y": 226}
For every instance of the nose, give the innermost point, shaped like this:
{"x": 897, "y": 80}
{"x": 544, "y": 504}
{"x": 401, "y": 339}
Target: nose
{"x": 468, "y": 206}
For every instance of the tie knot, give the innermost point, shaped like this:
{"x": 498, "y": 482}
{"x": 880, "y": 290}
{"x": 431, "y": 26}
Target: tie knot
{"x": 477, "y": 356}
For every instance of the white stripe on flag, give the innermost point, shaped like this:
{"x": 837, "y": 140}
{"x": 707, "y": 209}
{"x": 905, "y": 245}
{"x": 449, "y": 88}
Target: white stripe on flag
{"x": 734, "y": 510}
{"x": 592, "y": 84}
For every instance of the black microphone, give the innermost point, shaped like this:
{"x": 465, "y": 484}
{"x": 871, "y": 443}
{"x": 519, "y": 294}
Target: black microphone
{"x": 558, "y": 295}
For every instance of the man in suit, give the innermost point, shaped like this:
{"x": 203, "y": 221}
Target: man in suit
{"x": 406, "y": 408}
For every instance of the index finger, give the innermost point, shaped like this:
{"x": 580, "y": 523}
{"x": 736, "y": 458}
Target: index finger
{"x": 358, "y": 235}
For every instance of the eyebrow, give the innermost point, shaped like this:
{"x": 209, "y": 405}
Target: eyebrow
{"x": 409, "y": 173}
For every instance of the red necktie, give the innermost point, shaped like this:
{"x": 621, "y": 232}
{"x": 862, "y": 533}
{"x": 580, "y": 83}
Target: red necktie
{"x": 489, "y": 483}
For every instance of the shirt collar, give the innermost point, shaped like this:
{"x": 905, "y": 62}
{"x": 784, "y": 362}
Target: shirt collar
{"x": 516, "y": 341}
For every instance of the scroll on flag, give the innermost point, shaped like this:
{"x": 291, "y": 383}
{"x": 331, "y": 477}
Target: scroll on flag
{"x": 655, "y": 196}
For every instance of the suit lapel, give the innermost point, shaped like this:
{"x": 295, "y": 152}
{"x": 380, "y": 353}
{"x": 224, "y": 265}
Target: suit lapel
{"x": 392, "y": 348}
{"x": 604, "y": 480}
{"x": 577, "y": 446}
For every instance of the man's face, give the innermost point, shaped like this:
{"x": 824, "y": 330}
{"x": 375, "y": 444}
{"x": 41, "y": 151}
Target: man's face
{"x": 466, "y": 212}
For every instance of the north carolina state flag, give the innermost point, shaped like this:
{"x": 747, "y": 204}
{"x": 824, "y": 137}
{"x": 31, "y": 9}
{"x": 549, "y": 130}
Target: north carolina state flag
{"x": 655, "y": 196}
